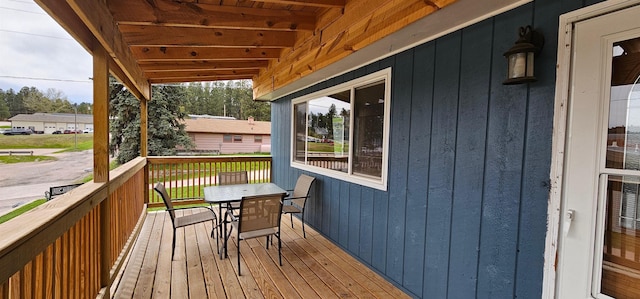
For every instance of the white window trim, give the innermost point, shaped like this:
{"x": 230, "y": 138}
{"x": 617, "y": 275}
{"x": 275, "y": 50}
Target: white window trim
{"x": 380, "y": 184}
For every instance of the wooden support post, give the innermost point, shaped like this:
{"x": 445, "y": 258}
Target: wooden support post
{"x": 144, "y": 116}
{"x": 144, "y": 137}
{"x": 101, "y": 158}
{"x": 100, "y": 115}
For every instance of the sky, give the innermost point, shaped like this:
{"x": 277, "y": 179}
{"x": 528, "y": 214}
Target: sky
{"x": 36, "y": 52}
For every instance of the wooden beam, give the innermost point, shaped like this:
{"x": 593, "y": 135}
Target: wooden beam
{"x": 174, "y": 13}
{"x": 100, "y": 115}
{"x": 153, "y": 75}
{"x": 202, "y": 53}
{"x": 157, "y": 36}
{"x": 363, "y": 23}
{"x": 183, "y": 79}
{"x": 203, "y": 65}
{"x": 96, "y": 16}
{"x": 317, "y": 3}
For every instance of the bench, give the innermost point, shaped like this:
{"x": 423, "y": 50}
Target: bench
{"x": 10, "y": 153}
{"x": 59, "y": 190}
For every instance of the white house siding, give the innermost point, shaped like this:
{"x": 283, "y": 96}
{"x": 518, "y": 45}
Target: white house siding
{"x": 214, "y": 142}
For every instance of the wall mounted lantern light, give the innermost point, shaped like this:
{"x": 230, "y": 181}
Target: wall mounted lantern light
{"x": 520, "y": 58}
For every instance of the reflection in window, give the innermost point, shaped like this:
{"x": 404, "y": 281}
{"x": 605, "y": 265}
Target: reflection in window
{"x": 344, "y": 131}
{"x": 327, "y": 139}
{"x": 621, "y": 254}
{"x": 623, "y": 140}
{"x": 621, "y": 238}
{"x": 300, "y": 127}
{"x": 368, "y": 130}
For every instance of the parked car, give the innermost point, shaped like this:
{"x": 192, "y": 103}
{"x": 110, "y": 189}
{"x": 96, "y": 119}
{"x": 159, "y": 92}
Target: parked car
{"x": 72, "y": 132}
{"x": 17, "y": 132}
{"x": 57, "y": 132}
{"x": 87, "y": 131}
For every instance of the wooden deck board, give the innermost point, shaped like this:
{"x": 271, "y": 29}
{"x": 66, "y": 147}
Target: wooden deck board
{"x": 311, "y": 268}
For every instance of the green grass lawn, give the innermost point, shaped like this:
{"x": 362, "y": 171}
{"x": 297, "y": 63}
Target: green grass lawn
{"x": 22, "y": 209}
{"x": 324, "y": 147}
{"x": 61, "y": 141}
{"x": 22, "y": 158}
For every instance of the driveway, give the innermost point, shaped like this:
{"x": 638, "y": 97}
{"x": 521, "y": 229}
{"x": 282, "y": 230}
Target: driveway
{"x": 21, "y": 183}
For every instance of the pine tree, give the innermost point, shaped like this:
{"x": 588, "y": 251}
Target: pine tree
{"x": 165, "y": 127}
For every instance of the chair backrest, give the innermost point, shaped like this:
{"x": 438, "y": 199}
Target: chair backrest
{"x": 166, "y": 198}
{"x": 260, "y": 212}
{"x": 303, "y": 187}
{"x": 233, "y": 177}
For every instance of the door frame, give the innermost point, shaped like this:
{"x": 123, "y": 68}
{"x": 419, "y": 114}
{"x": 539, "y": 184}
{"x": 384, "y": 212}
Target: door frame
{"x": 558, "y": 146}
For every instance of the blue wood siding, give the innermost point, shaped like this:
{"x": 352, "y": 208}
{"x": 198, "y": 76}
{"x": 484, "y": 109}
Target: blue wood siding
{"x": 465, "y": 211}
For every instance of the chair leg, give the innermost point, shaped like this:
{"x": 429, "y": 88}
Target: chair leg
{"x": 213, "y": 232}
{"x": 302, "y": 219}
{"x": 239, "y": 256}
{"x": 291, "y": 215}
{"x": 173, "y": 244}
{"x": 279, "y": 248}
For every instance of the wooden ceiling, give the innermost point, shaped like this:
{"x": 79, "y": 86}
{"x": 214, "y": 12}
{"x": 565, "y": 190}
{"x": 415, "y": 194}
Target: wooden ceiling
{"x": 185, "y": 41}
{"x": 272, "y": 42}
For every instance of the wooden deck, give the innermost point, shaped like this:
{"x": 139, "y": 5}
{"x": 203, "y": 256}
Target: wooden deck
{"x": 311, "y": 267}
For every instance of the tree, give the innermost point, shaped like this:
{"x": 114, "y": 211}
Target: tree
{"x": 165, "y": 127}
{"x": 230, "y": 98}
{"x": 4, "y": 108}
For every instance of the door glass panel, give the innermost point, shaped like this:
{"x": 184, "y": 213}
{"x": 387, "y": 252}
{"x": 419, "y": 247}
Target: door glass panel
{"x": 621, "y": 253}
{"x": 623, "y": 141}
{"x": 621, "y": 250}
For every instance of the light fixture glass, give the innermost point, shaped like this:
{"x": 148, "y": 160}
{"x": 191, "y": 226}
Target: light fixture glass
{"x": 520, "y": 57}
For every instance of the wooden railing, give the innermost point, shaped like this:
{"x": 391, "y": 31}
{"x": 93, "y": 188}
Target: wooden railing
{"x": 74, "y": 245}
{"x": 186, "y": 177}
{"x": 335, "y": 163}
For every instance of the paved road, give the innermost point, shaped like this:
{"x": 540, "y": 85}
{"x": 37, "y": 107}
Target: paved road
{"x": 22, "y": 183}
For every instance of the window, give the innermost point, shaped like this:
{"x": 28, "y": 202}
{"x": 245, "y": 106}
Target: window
{"x": 226, "y": 138}
{"x": 237, "y": 138}
{"x": 342, "y": 132}
{"x": 257, "y": 138}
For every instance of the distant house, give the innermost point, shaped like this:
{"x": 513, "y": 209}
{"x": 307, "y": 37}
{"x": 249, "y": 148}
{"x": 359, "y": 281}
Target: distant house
{"x": 229, "y": 136}
{"x": 50, "y": 122}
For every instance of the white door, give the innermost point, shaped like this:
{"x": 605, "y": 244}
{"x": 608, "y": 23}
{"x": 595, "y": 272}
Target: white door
{"x": 599, "y": 249}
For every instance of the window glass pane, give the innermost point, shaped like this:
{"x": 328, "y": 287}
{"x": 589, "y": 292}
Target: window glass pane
{"x": 237, "y": 138}
{"x": 257, "y": 139}
{"x": 368, "y": 130}
{"x": 300, "y": 130}
{"x": 341, "y": 132}
{"x": 226, "y": 138}
{"x": 328, "y": 135}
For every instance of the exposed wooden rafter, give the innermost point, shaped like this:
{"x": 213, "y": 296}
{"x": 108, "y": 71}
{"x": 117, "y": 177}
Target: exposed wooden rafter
{"x": 156, "y": 53}
{"x": 182, "y": 14}
{"x": 318, "y": 3}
